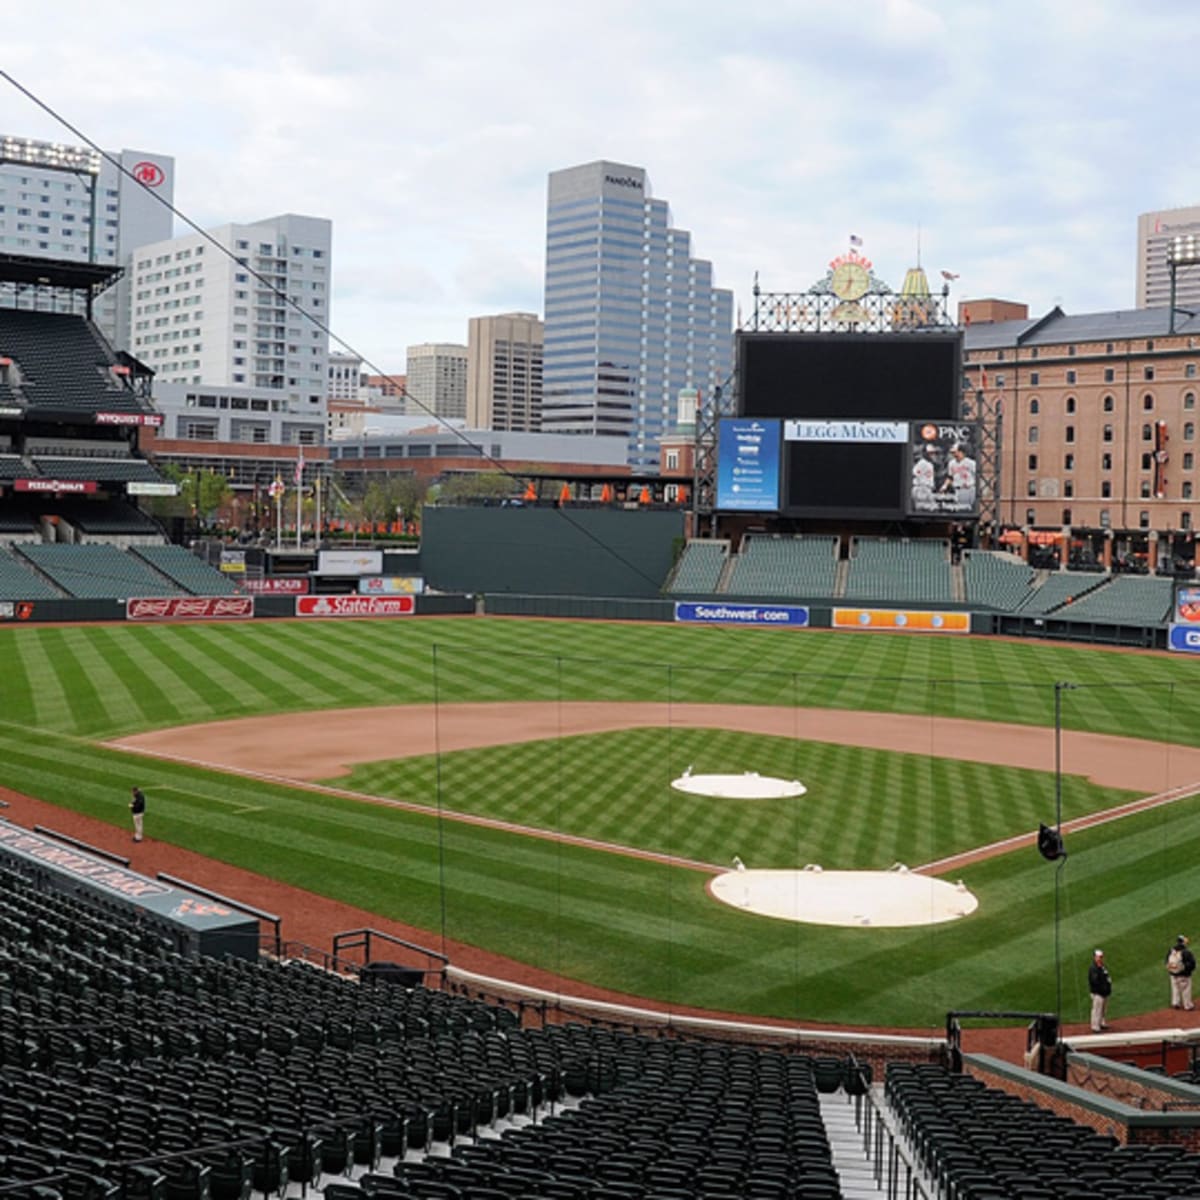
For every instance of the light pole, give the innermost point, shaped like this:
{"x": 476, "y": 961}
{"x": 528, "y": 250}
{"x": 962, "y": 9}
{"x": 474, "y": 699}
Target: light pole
{"x": 1183, "y": 250}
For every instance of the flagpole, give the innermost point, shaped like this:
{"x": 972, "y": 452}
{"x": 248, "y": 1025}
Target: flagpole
{"x": 317, "y": 531}
{"x": 299, "y": 492}
{"x": 279, "y": 518}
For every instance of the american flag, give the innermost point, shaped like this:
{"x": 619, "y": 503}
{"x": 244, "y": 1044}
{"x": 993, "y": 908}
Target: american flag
{"x": 300, "y": 468}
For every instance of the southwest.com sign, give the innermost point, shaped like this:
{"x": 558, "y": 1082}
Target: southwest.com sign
{"x": 1185, "y": 638}
{"x": 741, "y": 614}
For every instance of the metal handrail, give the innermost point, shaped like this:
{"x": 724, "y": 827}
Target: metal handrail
{"x": 893, "y": 1168}
{"x": 352, "y": 939}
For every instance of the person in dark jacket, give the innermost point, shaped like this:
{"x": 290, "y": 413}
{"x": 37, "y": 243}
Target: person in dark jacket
{"x": 1100, "y": 985}
{"x": 137, "y": 806}
{"x": 1181, "y": 963}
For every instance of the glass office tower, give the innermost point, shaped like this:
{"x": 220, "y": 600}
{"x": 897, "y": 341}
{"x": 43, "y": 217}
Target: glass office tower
{"x": 631, "y": 317}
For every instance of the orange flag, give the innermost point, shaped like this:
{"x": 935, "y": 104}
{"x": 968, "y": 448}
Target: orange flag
{"x": 531, "y": 491}
{"x": 565, "y": 494}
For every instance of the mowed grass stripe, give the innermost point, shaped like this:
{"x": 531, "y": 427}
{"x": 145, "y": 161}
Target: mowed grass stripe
{"x": 615, "y": 787}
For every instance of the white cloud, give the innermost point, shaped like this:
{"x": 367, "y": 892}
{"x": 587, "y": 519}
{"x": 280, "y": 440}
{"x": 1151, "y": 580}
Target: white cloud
{"x": 1023, "y": 139}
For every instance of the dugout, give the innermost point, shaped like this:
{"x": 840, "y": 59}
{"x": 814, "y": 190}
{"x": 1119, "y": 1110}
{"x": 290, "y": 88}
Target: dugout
{"x": 197, "y": 924}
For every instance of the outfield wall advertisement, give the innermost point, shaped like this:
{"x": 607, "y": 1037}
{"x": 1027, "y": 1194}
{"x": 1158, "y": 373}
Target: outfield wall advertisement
{"x": 742, "y": 614}
{"x": 355, "y": 606}
{"x": 201, "y": 608}
{"x": 890, "y": 618}
{"x": 1185, "y": 638}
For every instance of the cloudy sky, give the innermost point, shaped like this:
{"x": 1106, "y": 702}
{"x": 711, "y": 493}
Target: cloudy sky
{"x": 1021, "y": 139}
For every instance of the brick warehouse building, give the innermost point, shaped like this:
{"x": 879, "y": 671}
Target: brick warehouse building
{"x": 1098, "y": 424}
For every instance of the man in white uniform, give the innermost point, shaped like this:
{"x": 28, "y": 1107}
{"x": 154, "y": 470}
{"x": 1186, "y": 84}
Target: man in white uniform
{"x": 960, "y": 475}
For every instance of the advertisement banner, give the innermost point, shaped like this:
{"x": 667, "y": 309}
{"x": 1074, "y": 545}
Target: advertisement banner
{"x": 1187, "y": 605}
{"x": 877, "y": 432}
{"x": 748, "y": 465}
{"x": 1185, "y": 638}
{"x": 152, "y": 489}
{"x": 889, "y": 618}
{"x": 153, "y": 420}
{"x": 55, "y": 485}
{"x": 350, "y": 562}
{"x": 233, "y": 562}
{"x": 943, "y": 465}
{"x": 392, "y": 585}
{"x": 192, "y": 608}
{"x": 282, "y": 585}
{"x": 355, "y": 606}
{"x": 742, "y": 614}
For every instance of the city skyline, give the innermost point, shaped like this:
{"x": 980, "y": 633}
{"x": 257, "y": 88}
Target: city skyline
{"x": 1018, "y": 146}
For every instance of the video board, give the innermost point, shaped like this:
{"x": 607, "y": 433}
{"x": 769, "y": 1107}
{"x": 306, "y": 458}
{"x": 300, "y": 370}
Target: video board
{"x": 868, "y": 428}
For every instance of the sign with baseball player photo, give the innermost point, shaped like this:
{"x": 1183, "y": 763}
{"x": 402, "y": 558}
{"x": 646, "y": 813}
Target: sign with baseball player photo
{"x": 944, "y": 469}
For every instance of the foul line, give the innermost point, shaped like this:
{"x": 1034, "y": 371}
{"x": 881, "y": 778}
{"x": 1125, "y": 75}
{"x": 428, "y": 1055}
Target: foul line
{"x": 432, "y": 810}
{"x": 1090, "y": 821}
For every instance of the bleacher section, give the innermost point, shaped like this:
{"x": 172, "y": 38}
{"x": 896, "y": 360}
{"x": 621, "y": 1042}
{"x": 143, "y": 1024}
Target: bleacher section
{"x": 882, "y": 570}
{"x": 188, "y": 571}
{"x": 698, "y": 571}
{"x": 785, "y": 566}
{"x": 62, "y": 363}
{"x": 18, "y": 582}
{"x": 96, "y": 571}
{"x": 1058, "y": 588}
{"x": 104, "y": 470}
{"x": 976, "y": 1141}
{"x": 129, "y": 1072}
{"x": 996, "y": 581}
{"x": 1125, "y": 600}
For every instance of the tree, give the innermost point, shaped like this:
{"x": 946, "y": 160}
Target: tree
{"x": 201, "y": 496}
{"x": 477, "y": 485}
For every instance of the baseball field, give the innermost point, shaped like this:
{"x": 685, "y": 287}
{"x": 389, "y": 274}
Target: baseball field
{"x": 913, "y": 749}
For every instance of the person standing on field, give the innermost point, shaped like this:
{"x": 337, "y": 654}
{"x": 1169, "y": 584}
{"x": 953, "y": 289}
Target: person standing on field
{"x": 137, "y": 806}
{"x": 1181, "y": 963}
{"x": 1100, "y": 985}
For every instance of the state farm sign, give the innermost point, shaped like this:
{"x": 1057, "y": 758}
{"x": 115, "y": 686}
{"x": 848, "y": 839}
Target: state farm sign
{"x": 355, "y": 606}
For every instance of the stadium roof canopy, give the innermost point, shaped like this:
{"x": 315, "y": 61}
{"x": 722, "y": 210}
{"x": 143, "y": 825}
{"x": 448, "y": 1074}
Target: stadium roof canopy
{"x": 28, "y": 271}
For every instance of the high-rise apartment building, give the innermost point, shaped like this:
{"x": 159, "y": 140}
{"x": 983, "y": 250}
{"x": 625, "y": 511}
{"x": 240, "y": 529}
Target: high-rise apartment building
{"x": 251, "y": 313}
{"x": 437, "y": 379}
{"x": 71, "y": 202}
{"x": 1155, "y": 230}
{"x": 631, "y": 317}
{"x": 504, "y": 372}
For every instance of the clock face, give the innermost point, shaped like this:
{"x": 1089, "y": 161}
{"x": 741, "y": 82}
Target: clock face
{"x": 850, "y": 281}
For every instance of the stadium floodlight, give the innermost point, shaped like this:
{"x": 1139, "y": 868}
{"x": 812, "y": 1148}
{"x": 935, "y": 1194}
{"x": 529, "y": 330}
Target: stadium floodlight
{"x": 1183, "y": 250}
{"x": 52, "y": 155}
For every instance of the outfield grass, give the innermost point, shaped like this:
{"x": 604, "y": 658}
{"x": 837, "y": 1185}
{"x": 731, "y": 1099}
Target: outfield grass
{"x": 643, "y": 927}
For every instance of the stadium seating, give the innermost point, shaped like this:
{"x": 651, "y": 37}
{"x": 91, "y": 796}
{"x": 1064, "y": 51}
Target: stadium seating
{"x": 698, "y": 571}
{"x": 882, "y": 570}
{"x": 996, "y": 580}
{"x": 1125, "y": 600}
{"x": 216, "y": 1077}
{"x": 105, "y": 470}
{"x": 189, "y": 572}
{"x": 978, "y": 1142}
{"x": 1058, "y": 589}
{"x": 18, "y": 582}
{"x": 785, "y": 566}
{"x": 97, "y": 571}
{"x": 63, "y": 363}
{"x": 12, "y": 466}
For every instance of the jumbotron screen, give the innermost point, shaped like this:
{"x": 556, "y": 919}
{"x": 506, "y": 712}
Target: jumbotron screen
{"x": 876, "y": 376}
{"x": 848, "y": 405}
